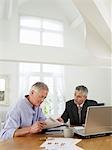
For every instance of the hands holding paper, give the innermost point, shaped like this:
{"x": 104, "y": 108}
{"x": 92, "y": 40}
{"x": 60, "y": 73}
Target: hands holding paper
{"x": 37, "y": 127}
{"x": 51, "y": 123}
{"x": 48, "y": 123}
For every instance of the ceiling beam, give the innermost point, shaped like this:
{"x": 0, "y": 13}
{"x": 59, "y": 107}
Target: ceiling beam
{"x": 91, "y": 14}
{"x": 76, "y": 22}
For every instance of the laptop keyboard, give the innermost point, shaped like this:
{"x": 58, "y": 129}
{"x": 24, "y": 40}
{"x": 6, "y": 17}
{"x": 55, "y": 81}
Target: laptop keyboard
{"x": 79, "y": 129}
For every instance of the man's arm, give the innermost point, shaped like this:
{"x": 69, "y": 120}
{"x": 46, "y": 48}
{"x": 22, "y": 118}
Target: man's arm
{"x": 35, "y": 128}
{"x": 65, "y": 115}
{"x": 22, "y": 131}
{"x": 60, "y": 119}
{"x": 12, "y": 123}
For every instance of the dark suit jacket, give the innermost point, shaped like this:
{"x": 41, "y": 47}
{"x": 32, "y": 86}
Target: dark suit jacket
{"x": 71, "y": 112}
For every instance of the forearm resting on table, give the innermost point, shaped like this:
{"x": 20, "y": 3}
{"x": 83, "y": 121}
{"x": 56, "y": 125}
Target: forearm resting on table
{"x": 22, "y": 131}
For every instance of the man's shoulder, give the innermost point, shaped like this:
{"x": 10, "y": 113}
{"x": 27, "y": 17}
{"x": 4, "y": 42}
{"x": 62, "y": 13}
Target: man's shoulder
{"x": 70, "y": 101}
{"x": 14, "y": 109}
{"x": 19, "y": 104}
{"x": 92, "y": 102}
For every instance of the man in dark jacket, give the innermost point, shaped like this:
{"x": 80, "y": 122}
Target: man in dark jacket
{"x": 76, "y": 108}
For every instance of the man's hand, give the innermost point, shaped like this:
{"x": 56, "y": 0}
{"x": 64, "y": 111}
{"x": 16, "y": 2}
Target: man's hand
{"x": 37, "y": 127}
{"x": 60, "y": 120}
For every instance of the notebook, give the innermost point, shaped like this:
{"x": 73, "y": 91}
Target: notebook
{"x": 98, "y": 122}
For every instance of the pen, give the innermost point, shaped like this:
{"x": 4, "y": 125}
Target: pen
{"x": 43, "y": 139}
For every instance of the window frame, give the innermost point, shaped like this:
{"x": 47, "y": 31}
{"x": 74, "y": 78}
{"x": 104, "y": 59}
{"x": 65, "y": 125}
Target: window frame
{"x": 52, "y": 95}
{"x": 5, "y": 100}
{"x": 41, "y": 30}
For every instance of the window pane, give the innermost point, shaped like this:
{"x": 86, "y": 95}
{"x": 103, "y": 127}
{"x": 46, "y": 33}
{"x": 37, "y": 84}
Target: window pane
{"x": 29, "y": 36}
{"x": 47, "y": 106}
{"x": 32, "y": 80}
{"x": 39, "y": 31}
{"x": 2, "y": 84}
{"x": 29, "y": 67}
{"x": 49, "y": 82}
{"x": 32, "y": 22}
{"x": 52, "y": 25}
{"x": 52, "y": 39}
{"x": 53, "y": 76}
{"x": 52, "y": 68}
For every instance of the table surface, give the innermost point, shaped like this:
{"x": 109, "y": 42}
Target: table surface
{"x": 33, "y": 142}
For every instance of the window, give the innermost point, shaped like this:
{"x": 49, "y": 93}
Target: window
{"x": 4, "y": 99}
{"x": 40, "y": 31}
{"x": 53, "y": 76}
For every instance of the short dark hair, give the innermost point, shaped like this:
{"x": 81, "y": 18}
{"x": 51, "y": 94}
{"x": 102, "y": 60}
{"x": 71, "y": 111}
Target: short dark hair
{"x": 82, "y": 88}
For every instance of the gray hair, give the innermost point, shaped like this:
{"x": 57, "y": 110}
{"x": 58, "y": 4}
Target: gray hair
{"x": 39, "y": 86}
{"x": 82, "y": 88}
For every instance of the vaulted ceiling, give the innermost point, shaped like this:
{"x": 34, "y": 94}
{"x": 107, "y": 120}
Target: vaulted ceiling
{"x": 96, "y": 12}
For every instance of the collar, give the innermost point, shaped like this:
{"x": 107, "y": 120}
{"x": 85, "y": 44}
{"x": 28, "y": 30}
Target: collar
{"x": 78, "y": 104}
{"x": 27, "y": 101}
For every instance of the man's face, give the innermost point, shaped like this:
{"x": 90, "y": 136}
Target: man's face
{"x": 38, "y": 97}
{"x": 79, "y": 97}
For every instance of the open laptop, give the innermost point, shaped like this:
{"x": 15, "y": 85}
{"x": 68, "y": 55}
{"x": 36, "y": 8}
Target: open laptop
{"x": 98, "y": 122}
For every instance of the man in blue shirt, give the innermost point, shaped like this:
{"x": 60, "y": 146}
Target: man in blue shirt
{"x": 26, "y": 117}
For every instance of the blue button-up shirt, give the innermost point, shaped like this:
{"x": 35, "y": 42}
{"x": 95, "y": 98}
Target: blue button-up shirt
{"x": 22, "y": 115}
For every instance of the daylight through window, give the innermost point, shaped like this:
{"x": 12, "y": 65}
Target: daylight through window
{"x": 41, "y": 31}
{"x": 53, "y": 76}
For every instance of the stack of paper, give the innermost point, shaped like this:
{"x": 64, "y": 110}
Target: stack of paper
{"x": 55, "y": 130}
{"x": 51, "y": 123}
{"x": 61, "y": 144}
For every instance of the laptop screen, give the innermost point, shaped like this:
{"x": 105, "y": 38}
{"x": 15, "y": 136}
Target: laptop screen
{"x": 98, "y": 120}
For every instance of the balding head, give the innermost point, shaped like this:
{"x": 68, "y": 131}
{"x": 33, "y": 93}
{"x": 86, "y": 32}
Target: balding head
{"x": 39, "y": 86}
{"x": 38, "y": 93}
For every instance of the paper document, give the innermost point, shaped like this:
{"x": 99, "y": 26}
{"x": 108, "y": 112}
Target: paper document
{"x": 55, "y": 130}
{"x": 61, "y": 144}
{"x": 51, "y": 123}
{"x": 79, "y": 128}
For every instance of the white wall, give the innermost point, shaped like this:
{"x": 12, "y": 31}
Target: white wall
{"x": 10, "y": 69}
{"x": 74, "y": 52}
{"x": 97, "y": 46}
{"x": 78, "y": 51}
{"x": 96, "y": 79}
{"x": 9, "y": 40}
